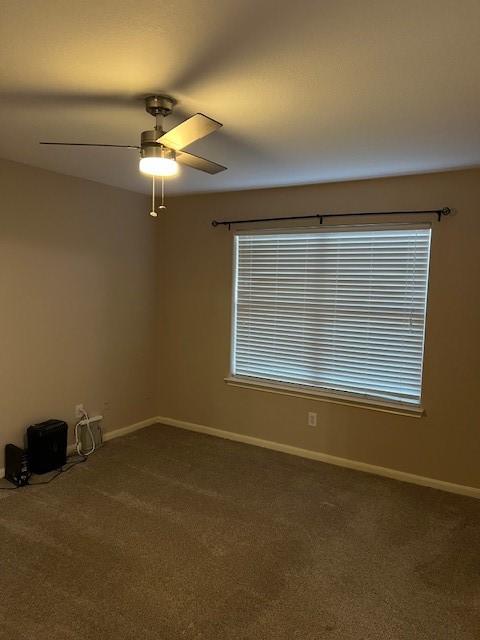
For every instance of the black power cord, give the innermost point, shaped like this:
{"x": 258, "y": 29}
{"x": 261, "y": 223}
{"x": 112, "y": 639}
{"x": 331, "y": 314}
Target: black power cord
{"x": 64, "y": 469}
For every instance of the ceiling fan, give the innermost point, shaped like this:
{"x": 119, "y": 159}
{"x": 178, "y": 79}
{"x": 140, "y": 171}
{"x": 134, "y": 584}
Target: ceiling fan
{"x": 160, "y": 150}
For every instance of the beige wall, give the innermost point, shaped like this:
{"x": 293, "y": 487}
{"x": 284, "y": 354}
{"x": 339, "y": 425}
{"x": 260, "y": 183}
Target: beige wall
{"x": 78, "y": 301}
{"x": 79, "y": 319}
{"x": 195, "y": 263}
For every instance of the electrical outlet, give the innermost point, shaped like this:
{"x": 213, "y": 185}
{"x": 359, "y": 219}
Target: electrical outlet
{"x": 312, "y": 419}
{"x": 79, "y": 410}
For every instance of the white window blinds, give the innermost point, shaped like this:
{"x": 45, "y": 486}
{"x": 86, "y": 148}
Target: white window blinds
{"x": 339, "y": 310}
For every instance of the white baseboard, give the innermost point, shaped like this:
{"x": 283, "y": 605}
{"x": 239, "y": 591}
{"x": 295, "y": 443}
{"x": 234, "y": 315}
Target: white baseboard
{"x": 116, "y": 433}
{"x": 395, "y": 474}
{"x": 110, "y": 435}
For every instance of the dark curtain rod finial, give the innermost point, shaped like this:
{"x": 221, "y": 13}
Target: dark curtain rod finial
{"x": 322, "y": 216}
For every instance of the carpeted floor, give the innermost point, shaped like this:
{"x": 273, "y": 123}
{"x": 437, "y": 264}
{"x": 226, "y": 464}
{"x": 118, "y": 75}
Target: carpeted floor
{"x": 171, "y": 535}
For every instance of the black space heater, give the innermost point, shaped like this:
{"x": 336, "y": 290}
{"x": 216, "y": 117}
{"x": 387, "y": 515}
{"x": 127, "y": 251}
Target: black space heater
{"x": 47, "y": 446}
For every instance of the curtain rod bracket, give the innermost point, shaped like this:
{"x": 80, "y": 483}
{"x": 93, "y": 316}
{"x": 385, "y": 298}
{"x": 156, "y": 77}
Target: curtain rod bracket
{"x": 446, "y": 211}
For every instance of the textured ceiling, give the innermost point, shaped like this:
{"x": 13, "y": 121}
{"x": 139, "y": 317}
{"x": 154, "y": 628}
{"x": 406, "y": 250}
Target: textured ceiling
{"x": 308, "y": 91}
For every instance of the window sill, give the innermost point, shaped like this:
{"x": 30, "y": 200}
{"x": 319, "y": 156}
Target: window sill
{"x": 326, "y": 396}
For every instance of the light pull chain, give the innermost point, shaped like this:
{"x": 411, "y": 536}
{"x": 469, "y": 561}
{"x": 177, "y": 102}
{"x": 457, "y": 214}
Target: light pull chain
{"x": 153, "y": 213}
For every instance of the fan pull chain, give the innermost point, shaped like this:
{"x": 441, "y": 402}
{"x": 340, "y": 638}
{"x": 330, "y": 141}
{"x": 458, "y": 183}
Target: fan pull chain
{"x": 162, "y": 204}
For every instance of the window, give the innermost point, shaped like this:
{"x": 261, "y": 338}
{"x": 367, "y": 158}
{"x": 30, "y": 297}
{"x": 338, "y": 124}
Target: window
{"x": 336, "y": 311}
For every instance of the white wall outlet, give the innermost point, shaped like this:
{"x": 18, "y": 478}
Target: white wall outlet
{"x": 79, "y": 410}
{"x": 312, "y": 419}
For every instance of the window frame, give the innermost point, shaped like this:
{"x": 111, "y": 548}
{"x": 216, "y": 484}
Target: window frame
{"x": 318, "y": 392}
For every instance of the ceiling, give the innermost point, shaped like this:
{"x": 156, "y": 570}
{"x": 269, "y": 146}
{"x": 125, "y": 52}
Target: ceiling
{"x": 309, "y": 91}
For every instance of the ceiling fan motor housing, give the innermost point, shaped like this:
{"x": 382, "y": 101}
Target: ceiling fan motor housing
{"x": 150, "y": 148}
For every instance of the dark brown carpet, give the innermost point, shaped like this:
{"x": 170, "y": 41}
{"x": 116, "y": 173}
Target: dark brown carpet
{"x": 171, "y": 535}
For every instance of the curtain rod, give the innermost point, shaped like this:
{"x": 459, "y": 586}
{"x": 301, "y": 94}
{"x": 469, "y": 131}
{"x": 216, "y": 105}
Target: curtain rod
{"x": 322, "y": 216}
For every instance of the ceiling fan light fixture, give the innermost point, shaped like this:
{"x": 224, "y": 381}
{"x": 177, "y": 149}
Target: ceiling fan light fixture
{"x": 156, "y": 159}
{"x": 157, "y": 166}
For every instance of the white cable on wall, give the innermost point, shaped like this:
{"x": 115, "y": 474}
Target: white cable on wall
{"x": 85, "y": 421}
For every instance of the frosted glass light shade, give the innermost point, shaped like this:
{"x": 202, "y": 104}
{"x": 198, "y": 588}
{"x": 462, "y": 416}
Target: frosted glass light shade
{"x": 157, "y": 166}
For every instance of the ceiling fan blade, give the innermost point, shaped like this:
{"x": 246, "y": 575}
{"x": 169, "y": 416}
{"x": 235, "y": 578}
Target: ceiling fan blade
{"x": 196, "y": 127}
{"x": 196, "y": 162}
{"x": 87, "y": 144}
